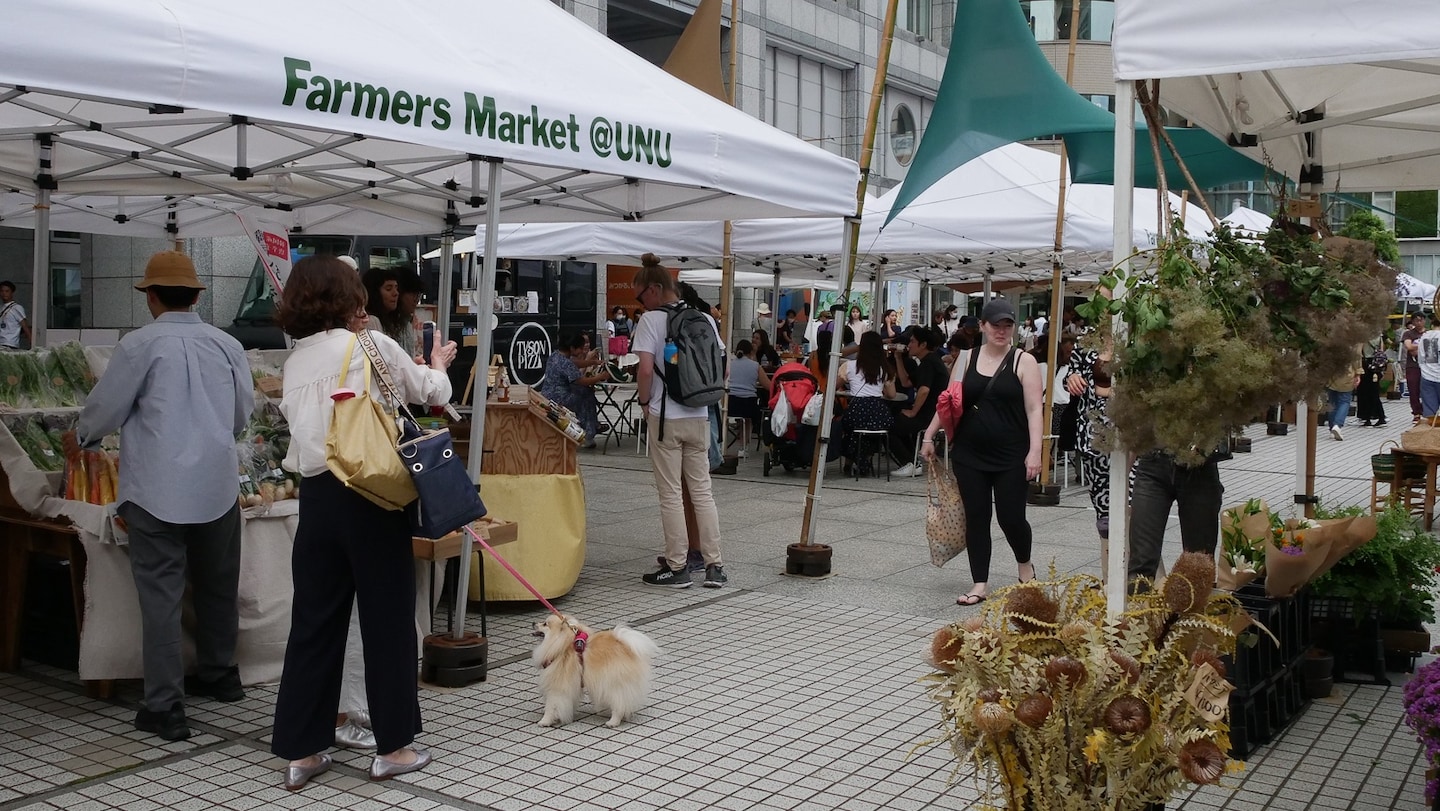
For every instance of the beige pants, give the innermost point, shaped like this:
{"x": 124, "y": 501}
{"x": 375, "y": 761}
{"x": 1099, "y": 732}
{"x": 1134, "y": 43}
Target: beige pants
{"x": 684, "y": 454}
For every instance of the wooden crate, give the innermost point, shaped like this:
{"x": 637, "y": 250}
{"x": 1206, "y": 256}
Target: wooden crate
{"x": 493, "y": 530}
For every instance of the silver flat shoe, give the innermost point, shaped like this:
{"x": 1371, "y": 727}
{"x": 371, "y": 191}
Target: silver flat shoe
{"x": 353, "y": 736}
{"x": 359, "y": 718}
{"x": 381, "y": 769}
{"x": 297, "y": 776}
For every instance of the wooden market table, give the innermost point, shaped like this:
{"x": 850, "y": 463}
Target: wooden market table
{"x": 23, "y": 536}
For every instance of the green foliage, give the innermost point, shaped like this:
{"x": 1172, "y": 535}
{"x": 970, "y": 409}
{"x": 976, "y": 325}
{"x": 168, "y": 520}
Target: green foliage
{"x": 1415, "y": 213}
{"x": 1394, "y": 573}
{"x": 1220, "y": 331}
{"x": 1369, "y": 227}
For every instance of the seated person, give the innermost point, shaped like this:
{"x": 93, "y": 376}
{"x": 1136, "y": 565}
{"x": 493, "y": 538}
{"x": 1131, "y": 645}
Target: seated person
{"x": 567, "y": 384}
{"x": 747, "y": 380}
{"x": 928, "y": 378}
{"x": 869, "y": 386}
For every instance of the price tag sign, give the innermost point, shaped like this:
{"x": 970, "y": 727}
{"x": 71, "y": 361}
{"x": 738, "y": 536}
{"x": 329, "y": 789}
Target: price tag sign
{"x": 1209, "y": 693}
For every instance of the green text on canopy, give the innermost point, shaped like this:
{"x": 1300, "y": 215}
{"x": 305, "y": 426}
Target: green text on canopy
{"x": 606, "y": 138}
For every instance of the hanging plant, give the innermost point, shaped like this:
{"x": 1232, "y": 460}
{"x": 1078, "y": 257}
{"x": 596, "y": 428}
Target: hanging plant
{"x": 1220, "y": 331}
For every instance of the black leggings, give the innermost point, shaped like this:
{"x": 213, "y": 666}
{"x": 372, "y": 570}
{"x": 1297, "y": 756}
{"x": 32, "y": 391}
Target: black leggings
{"x": 1009, "y": 489}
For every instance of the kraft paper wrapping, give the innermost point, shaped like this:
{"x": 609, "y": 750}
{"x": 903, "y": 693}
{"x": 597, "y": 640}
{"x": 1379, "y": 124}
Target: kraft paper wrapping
{"x": 1254, "y": 528}
{"x": 549, "y": 511}
{"x": 1286, "y": 573}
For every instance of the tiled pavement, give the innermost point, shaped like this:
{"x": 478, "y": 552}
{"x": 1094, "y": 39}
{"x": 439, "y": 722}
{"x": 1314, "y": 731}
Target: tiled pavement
{"x": 773, "y": 693}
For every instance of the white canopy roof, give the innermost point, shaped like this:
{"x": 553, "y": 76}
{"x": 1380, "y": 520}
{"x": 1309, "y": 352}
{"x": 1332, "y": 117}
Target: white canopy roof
{"x": 320, "y": 111}
{"x": 1247, "y": 220}
{"x": 997, "y": 211}
{"x": 751, "y": 278}
{"x": 1365, "y": 76}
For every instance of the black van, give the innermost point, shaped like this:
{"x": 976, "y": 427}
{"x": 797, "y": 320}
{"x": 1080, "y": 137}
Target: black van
{"x": 565, "y": 300}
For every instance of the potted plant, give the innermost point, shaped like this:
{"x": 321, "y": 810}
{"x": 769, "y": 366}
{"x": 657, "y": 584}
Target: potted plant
{"x": 1422, "y": 713}
{"x": 1064, "y": 710}
{"x": 1391, "y": 578}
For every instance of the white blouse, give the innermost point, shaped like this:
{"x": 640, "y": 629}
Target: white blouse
{"x": 312, "y": 373}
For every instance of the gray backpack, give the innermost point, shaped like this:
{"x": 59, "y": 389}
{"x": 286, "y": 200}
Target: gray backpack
{"x": 695, "y": 375}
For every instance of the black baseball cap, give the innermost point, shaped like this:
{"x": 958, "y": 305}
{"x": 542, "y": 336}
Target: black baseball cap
{"x": 997, "y": 310}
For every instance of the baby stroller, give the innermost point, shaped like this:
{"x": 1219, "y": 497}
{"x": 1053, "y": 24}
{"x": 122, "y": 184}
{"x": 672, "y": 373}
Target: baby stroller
{"x": 795, "y": 448}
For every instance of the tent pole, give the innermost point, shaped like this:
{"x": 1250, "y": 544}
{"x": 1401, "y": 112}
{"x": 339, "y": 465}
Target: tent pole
{"x": 852, "y": 246}
{"x": 482, "y": 354}
{"x": 775, "y": 314}
{"x": 727, "y": 320}
{"x": 484, "y": 306}
{"x": 1307, "y": 421}
{"x": 1119, "y": 460}
{"x": 40, "y": 311}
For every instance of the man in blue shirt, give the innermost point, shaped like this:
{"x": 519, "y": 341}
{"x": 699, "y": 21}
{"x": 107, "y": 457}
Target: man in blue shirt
{"x": 179, "y": 391}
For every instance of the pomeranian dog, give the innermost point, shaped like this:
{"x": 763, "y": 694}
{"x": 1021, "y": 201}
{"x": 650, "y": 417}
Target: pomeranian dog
{"x": 613, "y": 667}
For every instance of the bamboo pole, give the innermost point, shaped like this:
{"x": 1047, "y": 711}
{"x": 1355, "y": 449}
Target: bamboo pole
{"x": 727, "y": 259}
{"x": 852, "y": 236}
{"x": 1057, "y": 273}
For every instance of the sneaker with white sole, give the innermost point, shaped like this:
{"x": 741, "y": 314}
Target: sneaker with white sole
{"x": 667, "y": 577}
{"x": 1335, "y": 432}
{"x": 715, "y": 576}
{"x": 905, "y": 471}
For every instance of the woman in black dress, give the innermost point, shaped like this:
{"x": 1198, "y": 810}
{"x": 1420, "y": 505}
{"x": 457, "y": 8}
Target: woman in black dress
{"x": 996, "y": 448}
{"x": 1368, "y": 407}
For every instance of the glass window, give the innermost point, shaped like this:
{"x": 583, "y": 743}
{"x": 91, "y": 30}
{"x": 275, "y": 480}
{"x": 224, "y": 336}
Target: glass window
{"x": 390, "y": 257}
{"x": 64, "y": 297}
{"x": 915, "y": 16}
{"x": 806, "y": 99}
{"x": 902, "y": 134}
{"x": 1050, "y": 19}
{"x": 1101, "y": 100}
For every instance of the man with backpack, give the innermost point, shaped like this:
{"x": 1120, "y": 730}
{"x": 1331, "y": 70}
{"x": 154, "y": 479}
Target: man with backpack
{"x": 681, "y": 373}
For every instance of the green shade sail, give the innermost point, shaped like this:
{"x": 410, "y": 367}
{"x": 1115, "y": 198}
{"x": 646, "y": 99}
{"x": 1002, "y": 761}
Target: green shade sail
{"x": 999, "y": 88}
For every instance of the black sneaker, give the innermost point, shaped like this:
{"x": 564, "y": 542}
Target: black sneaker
{"x": 694, "y": 561}
{"x": 169, "y": 725}
{"x": 715, "y": 576}
{"x": 226, "y": 688}
{"x": 667, "y": 577}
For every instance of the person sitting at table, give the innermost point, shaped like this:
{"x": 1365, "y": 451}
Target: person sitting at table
{"x": 765, "y": 354}
{"x": 567, "y": 384}
{"x": 870, "y": 388}
{"x": 889, "y": 328}
{"x": 784, "y": 340}
{"x": 747, "y": 379}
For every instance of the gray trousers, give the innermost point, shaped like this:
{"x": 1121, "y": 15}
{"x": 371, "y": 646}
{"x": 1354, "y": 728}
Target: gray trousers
{"x": 161, "y": 555}
{"x": 1156, "y": 483}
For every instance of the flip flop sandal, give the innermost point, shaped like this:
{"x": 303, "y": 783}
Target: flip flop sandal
{"x": 970, "y": 599}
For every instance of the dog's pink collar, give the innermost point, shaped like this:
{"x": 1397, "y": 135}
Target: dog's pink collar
{"x": 579, "y": 644}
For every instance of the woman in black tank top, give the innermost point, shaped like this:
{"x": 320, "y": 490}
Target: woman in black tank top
{"x": 996, "y": 447}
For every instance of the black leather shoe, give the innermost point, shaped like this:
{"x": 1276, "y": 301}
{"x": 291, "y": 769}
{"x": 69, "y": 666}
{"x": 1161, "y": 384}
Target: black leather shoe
{"x": 226, "y": 688}
{"x": 169, "y": 725}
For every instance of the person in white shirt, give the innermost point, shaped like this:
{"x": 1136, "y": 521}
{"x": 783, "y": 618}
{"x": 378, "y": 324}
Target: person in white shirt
{"x": 1429, "y": 360}
{"x": 684, "y": 452}
{"x": 13, "y": 322}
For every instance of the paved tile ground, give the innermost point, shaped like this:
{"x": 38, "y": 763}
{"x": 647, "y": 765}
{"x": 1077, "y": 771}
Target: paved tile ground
{"x": 773, "y": 693}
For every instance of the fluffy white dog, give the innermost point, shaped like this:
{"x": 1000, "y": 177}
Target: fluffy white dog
{"x": 612, "y": 666}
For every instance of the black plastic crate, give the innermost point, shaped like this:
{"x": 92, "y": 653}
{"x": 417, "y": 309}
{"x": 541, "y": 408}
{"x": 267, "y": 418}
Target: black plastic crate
{"x": 1352, "y": 634}
{"x": 1250, "y": 724}
{"x": 1251, "y": 667}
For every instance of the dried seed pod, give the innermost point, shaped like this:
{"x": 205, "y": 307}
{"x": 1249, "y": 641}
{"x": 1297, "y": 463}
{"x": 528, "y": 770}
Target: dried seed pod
{"x": 1065, "y": 671}
{"x": 993, "y": 718}
{"x": 1206, "y": 656}
{"x": 1031, "y": 608}
{"x": 1188, "y": 587}
{"x": 1034, "y": 709}
{"x": 944, "y": 649}
{"x": 1075, "y": 633}
{"x": 989, "y": 695}
{"x": 1127, "y": 663}
{"x": 1127, "y": 715}
{"x": 972, "y": 623}
{"x": 1202, "y": 762}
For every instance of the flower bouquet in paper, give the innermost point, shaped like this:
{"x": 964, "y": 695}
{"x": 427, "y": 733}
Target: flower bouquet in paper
{"x": 1244, "y": 529}
{"x": 1297, "y": 551}
{"x": 1060, "y": 709}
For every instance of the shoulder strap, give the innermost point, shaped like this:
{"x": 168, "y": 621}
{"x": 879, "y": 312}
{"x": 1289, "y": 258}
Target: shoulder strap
{"x": 382, "y": 371}
{"x": 8, "y": 307}
{"x": 975, "y": 361}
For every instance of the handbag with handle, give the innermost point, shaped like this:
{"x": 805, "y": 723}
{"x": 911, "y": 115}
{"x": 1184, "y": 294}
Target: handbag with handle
{"x": 447, "y": 498}
{"x": 1423, "y": 438}
{"x": 360, "y": 445}
{"x": 944, "y": 514}
{"x": 813, "y": 409}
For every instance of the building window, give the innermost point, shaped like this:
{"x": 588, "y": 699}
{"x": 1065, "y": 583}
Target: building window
{"x": 64, "y": 297}
{"x": 914, "y": 16}
{"x": 1050, "y": 19}
{"x": 902, "y": 134}
{"x": 1101, "y": 100}
{"x": 806, "y": 99}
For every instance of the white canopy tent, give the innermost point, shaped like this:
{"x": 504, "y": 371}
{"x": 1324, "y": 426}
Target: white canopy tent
{"x": 995, "y": 213}
{"x": 319, "y": 114}
{"x": 1364, "y": 76}
{"x": 1337, "y": 95}
{"x": 753, "y": 279}
{"x": 1247, "y": 221}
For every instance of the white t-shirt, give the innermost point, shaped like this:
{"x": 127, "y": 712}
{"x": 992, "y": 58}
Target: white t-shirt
{"x": 859, "y": 386}
{"x": 649, "y": 337}
{"x": 1429, "y": 356}
{"x": 11, "y": 316}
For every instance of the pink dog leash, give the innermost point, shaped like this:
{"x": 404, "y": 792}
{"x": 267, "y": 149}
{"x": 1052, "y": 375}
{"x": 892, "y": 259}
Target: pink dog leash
{"x": 580, "y": 636}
